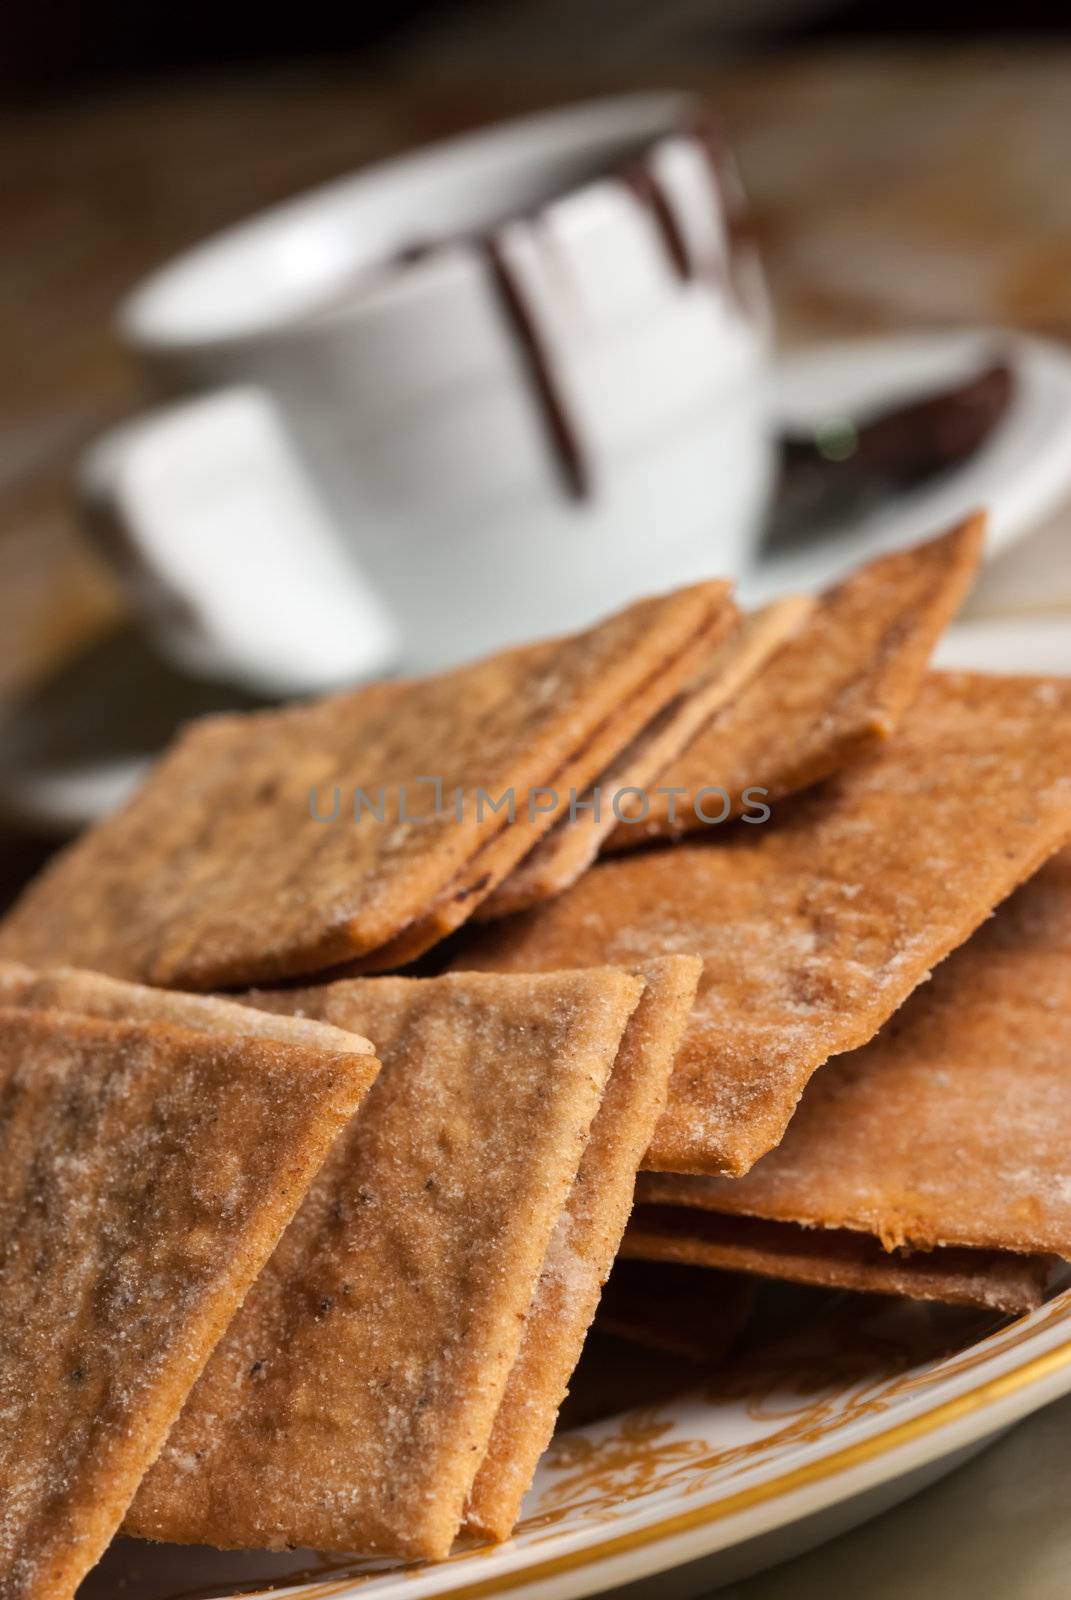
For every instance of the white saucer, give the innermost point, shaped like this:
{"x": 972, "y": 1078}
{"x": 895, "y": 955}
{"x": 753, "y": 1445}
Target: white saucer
{"x": 78, "y": 747}
{"x": 1021, "y": 475}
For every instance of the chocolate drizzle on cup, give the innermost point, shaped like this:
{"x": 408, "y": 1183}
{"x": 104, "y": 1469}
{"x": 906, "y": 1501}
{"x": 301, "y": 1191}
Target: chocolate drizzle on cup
{"x": 639, "y": 173}
{"x": 641, "y": 177}
{"x": 644, "y": 182}
{"x": 556, "y": 411}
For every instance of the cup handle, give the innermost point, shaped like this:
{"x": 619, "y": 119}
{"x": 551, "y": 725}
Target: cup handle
{"x": 211, "y": 523}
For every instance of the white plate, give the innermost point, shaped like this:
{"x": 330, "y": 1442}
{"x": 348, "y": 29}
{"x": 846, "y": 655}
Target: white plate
{"x": 859, "y": 1405}
{"x": 1020, "y": 475}
{"x": 77, "y": 745}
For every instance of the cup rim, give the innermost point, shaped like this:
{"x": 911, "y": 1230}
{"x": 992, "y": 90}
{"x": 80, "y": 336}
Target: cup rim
{"x": 638, "y": 117}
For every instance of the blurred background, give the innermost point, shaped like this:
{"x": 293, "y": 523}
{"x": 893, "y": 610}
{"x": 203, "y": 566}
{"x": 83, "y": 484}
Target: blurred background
{"x": 906, "y": 163}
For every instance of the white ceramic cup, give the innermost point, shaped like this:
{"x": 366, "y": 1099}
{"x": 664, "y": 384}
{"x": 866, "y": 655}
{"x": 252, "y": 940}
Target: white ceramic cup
{"x": 469, "y": 396}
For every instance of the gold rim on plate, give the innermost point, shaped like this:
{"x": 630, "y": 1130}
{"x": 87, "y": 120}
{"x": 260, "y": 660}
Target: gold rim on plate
{"x": 901, "y": 1433}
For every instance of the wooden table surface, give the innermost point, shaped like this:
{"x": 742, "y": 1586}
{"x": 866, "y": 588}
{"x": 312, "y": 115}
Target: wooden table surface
{"x": 889, "y": 189}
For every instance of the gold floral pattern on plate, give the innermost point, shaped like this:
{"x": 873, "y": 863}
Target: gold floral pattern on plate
{"x": 849, "y": 1367}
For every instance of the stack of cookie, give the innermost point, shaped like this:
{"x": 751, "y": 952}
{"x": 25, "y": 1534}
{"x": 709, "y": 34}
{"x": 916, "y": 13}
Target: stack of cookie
{"x": 312, "y": 1263}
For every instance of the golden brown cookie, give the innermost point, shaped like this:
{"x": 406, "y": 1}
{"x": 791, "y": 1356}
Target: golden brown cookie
{"x": 835, "y": 1258}
{"x": 814, "y": 928}
{"x": 583, "y": 1245}
{"x": 146, "y": 1174}
{"x": 352, "y": 1399}
{"x": 497, "y": 860}
{"x": 568, "y": 849}
{"x": 950, "y": 1127}
{"x": 226, "y": 868}
{"x": 831, "y": 694}
{"x": 91, "y": 994}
